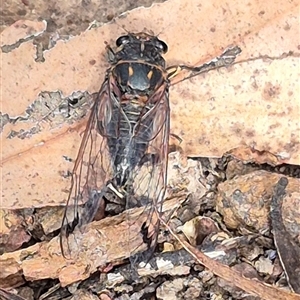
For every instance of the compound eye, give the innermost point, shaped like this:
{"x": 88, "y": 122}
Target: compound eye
{"x": 162, "y": 46}
{"x": 124, "y": 39}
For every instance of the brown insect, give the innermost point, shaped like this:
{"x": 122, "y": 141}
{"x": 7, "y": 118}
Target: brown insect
{"x": 124, "y": 151}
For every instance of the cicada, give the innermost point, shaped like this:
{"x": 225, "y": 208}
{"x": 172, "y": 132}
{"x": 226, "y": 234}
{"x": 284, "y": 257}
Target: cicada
{"x": 124, "y": 151}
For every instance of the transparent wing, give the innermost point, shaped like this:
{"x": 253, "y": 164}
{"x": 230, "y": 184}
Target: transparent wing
{"x": 91, "y": 171}
{"x": 150, "y": 176}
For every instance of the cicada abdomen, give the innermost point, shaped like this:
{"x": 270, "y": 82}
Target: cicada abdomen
{"x": 125, "y": 146}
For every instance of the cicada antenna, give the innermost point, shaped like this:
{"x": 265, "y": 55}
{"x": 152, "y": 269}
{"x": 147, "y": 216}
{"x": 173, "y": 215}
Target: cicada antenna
{"x": 115, "y": 20}
{"x": 163, "y": 29}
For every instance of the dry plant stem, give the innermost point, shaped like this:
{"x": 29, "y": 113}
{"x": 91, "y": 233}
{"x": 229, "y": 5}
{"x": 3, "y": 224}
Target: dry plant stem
{"x": 255, "y": 287}
{"x": 287, "y": 249}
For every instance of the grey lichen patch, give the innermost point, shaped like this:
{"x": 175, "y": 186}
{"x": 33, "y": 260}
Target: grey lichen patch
{"x": 23, "y": 33}
{"x": 31, "y": 32}
{"x": 4, "y": 119}
{"x": 9, "y": 48}
{"x": 49, "y": 108}
{"x": 39, "y": 53}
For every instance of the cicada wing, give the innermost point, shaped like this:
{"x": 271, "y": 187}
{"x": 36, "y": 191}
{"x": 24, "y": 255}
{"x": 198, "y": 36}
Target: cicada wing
{"x": 91, "y": 171}
{"x": 150, "y": 176}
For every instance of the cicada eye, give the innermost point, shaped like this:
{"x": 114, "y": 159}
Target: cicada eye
{"x": 124, "y": 39}
{"x": 161, "y": 46}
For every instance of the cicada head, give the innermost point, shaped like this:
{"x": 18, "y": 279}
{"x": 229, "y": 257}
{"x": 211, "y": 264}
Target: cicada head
{"x": 141, "y": 46}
